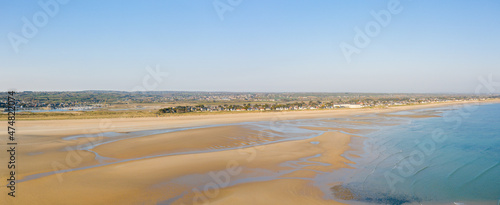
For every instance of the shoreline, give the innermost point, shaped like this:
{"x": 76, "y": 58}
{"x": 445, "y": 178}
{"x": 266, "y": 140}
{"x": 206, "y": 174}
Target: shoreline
{"x": 132, "y": 177}
{"x": 224, "y": 113}
{"x": 93, "y": 126}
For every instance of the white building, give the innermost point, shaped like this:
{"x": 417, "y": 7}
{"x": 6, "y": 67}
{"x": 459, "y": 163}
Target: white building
{"x": 350, "y": 105}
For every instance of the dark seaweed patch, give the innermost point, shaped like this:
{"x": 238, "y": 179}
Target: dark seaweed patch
{"x": 344, "y": 192}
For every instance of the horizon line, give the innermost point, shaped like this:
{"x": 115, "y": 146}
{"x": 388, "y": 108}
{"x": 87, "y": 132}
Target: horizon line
{"x": 202, "y": 91}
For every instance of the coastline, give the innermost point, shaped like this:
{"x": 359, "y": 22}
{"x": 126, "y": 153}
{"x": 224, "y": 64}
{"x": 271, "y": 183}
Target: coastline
{"x": 135, "y": 178}
{"x": 92, "y": 126}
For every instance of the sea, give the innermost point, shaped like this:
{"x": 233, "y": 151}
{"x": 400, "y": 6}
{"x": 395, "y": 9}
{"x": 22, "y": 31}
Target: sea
{"x": 443, "y": 155}
{"x": 451, "y": 159}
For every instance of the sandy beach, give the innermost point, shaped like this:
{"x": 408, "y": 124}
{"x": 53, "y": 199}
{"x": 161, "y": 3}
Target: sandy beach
{"x": 207, "y": 162}
{"x": 232, "y": 102}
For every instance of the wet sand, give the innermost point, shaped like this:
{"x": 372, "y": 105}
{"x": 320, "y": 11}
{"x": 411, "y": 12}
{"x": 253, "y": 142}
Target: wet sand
{"x": 126, "y": 178}
{"x": 349, "y": 130}
{"x": 199, "y": 140}
{"x": 132, "y": 182}
{"x": 285, "y": 191}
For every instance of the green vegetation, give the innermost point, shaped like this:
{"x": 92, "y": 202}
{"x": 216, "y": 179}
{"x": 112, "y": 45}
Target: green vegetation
{"x": 106, "y": 114}
{"x": 117, "y": 104}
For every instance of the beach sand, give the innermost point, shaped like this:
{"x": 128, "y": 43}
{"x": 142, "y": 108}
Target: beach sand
{"x": 199, "y": 139}
{"x": 130, "y": 182}
{"x": 155, "y": 179}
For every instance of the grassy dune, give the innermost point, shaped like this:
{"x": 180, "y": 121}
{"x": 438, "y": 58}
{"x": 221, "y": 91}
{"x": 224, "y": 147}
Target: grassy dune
{"x": 112, "y": 114}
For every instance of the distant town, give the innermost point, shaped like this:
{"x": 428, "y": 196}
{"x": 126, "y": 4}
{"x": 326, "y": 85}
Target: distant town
{"x": 183, "y": 102}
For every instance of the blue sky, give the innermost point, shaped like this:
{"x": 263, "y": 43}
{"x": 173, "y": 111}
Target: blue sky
{"x": 279, "y": 45}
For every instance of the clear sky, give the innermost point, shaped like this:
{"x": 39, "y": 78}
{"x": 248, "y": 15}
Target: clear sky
{"x": 278, "y": 45}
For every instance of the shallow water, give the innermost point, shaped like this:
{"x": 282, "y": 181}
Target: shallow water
{"x": 455, "y": 158}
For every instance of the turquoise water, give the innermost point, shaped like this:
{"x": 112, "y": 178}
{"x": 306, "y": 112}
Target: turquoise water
{"x": 453, "y": 158}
